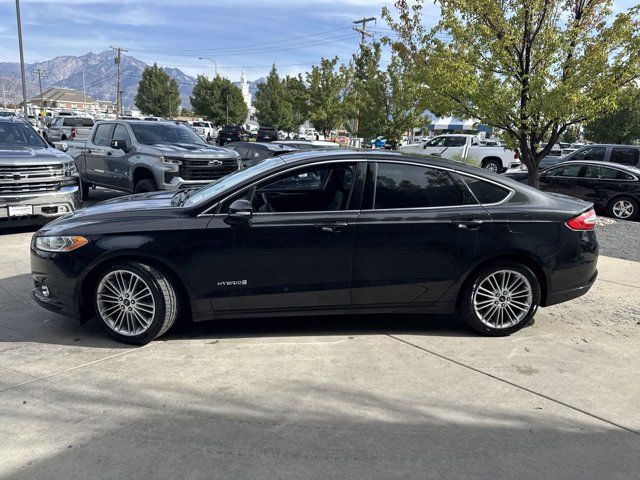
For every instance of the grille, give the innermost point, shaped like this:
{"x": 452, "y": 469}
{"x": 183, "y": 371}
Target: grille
{"x": 201, "y": 170}
{"x": 36, "y": 187}
{"x": 31, "y": 171}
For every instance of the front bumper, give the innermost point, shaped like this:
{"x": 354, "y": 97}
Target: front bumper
{"x": 50, "y": 205}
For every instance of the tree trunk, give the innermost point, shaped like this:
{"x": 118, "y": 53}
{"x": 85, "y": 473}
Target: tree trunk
{"x": 533, "y": 176}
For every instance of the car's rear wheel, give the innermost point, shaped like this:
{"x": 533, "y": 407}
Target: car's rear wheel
{"x": 500, "y": 299}
{"x": 624, "y": 208}
{"x": 135, "y": 302}
{"x": 145, "y": 185}
{"x": 492, "y": 166}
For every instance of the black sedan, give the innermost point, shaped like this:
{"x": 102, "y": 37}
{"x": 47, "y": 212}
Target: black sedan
{"x": 317, "y": 233}
{"x": 612, "y": 188}
{"x": 252, "y": 153}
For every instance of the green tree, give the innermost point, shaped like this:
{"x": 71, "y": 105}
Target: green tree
{"x": 402, "y": 103}
{"x": 273, "y": 108}
{"x": 158, "y": 94}
{"x": 298, "y": 96}
{"x": 621, "y": 125}
{"x": 366, "y": 92}
{"x": 218, "y": 100}
{"x": 327, "y": 109}
{"x": 532, "y": 68}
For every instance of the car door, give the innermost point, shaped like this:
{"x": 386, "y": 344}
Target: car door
{"x": 561, "y": 178}
{"x": 296, "y": 250}
{"x": 95, "y": 154}
{"x": 118, "y": 159}
{"x": 416, "y": 234}
{"x": 434, "y": 146}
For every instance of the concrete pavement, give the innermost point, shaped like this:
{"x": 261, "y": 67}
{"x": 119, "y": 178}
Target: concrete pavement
{"x": 339, "y": 397}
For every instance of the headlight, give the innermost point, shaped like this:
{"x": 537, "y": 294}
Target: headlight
{"x": 172, "y": 161}
{"x": 59, "y": 244}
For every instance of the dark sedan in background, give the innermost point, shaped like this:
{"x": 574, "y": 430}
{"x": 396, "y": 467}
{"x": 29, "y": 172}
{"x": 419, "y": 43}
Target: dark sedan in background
{"x": 613, "y": 188}
{"x": 252, "y": 153}
{"x": 320, "y": 233}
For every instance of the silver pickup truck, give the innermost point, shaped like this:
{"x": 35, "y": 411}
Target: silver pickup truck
{"x": 36, "y": 181}
{"x": 140, "y": 156}
{"x": 68, "y": 128}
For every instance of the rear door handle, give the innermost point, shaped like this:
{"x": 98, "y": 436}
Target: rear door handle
{"x": 331, "y": 227}
{"x": 468, "y": 224}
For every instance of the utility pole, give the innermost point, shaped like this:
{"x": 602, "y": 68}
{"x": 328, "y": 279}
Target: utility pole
{"x": 118, "y": 61}
{"x": 4, "y": 98}
{"x": 40, "y": 73}
{"x": 24, "y": 80}
{"x": 84, "y": 89}
{"x": 363, "y": 31}
{"x": 227, "y": 102}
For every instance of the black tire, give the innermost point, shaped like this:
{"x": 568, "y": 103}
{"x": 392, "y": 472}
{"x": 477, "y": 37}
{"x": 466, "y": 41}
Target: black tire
{"x": 466, "y": 299}
{"x": 613, "y": 209}
{"x": 164, "y": 296}
{"x": 492, "y": 166}
{"x": 145, "y": 185}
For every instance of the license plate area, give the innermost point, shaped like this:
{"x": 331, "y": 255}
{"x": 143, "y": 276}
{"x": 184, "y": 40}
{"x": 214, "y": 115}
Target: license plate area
{"x": 20, "y": 210}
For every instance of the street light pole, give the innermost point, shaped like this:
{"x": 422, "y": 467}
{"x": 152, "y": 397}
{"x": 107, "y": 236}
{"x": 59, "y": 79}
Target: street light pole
{"x": 84, "y": 89}
{"x": 215, "y": 65}
{"x": 24, "y": 81}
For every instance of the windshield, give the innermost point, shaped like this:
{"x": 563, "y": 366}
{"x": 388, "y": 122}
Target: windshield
{"x": 229, "y": 181}
{"x": 19, "y": 134}
{"x": 154, "y": 133}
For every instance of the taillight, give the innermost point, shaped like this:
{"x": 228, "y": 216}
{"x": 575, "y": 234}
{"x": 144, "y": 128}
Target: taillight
{"x": 516, "y": 156}
{"x": 73, "y": 133}
{"x": 584, "y": 221}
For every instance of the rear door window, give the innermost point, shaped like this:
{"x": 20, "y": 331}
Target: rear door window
{"x": 400, "y": 186}
{"x": 590, "y": 153}
{"x": 565, "y": 171}
{"x": 625, "y": 156}
{"x": 455, "y": 141}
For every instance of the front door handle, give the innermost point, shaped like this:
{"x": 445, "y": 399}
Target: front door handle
{"x": 331, "y": 227}
{"x": 468, "y": 224}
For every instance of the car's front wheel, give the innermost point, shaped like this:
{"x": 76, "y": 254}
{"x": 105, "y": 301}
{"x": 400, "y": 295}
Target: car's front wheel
{"x": 135, "y": 302}
{"x": 145, "y": 185}
{"x": 500, "y": 299}
{"x": 492, "y": 166}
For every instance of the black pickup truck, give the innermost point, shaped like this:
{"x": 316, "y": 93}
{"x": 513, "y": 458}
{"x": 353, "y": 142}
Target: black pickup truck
{"x": 138, "y": 156}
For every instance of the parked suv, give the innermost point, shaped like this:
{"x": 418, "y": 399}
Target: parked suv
{"x": 68, "y": 128}
{"x": 267, "y": 134}
{"x": 141, "y": 156}
{"x": 36, "y": 181}
{"x": 622, "y": 154}
{"x": 232, "y": 133}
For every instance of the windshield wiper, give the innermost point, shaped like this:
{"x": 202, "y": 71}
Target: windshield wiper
{"x": 181, "y": 196}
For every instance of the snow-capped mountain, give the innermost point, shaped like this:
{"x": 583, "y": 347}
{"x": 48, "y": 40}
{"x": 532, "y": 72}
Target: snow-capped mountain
{"x": 99, "y": 73}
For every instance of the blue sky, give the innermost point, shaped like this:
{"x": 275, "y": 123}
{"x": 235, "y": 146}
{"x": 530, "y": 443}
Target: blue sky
{"x": 291, "y": 33}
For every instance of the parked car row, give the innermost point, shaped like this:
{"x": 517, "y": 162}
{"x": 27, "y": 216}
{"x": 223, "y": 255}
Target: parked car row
{"x": 607, "y": 175}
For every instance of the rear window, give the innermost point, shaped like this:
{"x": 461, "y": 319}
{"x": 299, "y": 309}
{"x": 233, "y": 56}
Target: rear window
{"x": 486, "y": 192}
{"x": 625, "y": 156}
{"x": 77, "y": 122}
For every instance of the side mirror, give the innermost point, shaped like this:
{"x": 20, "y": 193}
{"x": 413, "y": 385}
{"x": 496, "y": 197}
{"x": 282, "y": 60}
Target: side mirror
{"x": 240, "y": 211}
{"x": 119, "y": 145}
{"x": 62, "y": 146}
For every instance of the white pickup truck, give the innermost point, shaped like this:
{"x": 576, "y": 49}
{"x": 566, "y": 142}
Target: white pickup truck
{"x": 459, "y": 146}
{"x": 205, "y": 130}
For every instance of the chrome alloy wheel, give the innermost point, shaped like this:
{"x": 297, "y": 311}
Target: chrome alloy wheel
{"x": 502, "y": 299}
{"x": 623, "y": 209}
{"x": 491, "y": 167}
{"x": 125, "y": 302}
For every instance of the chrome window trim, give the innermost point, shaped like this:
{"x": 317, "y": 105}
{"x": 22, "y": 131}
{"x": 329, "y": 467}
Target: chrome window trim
{"x": 635, "y": 178}
{"x": 297, "y": 167}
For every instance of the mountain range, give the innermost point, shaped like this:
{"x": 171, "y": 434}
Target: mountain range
{"x": 99, "y": 77}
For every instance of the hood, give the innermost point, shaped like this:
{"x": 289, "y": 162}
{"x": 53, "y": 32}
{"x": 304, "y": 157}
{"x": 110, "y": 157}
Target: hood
{"x": 190, "y": 150}
{"x": 143, "y": 205}
{"x": 29, "y": 156}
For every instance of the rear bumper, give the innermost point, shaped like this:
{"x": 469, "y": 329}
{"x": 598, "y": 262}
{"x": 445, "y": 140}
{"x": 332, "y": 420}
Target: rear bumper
{"x": 50, "y": 205}
{"x": 566, "y": 295}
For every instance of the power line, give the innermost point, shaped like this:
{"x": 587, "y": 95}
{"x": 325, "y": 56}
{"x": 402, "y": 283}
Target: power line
{"x": 40, "y": 73}
{"x": 195, "y": 52}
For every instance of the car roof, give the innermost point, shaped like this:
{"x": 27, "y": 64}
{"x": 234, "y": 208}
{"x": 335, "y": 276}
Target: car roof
{"x": 619, "y": 166}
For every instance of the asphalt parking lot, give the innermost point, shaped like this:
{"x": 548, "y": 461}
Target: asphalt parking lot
{"x": 335, "y": 397}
